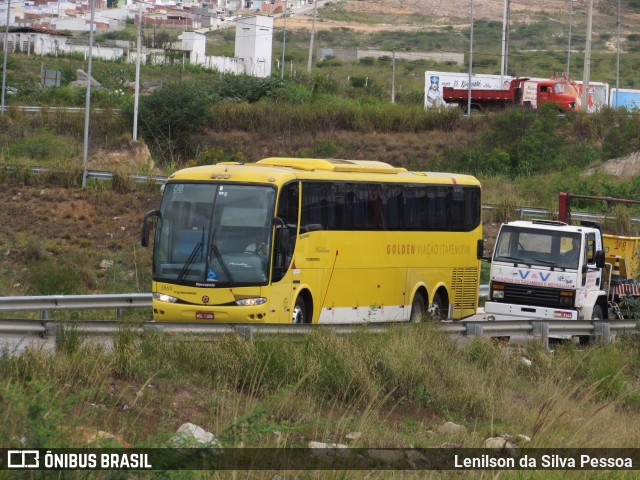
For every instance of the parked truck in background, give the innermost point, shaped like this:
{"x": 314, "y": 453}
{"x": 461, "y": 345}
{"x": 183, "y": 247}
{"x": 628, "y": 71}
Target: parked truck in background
{"x": 521, "y": 91}
{"x": 548, "y": 270}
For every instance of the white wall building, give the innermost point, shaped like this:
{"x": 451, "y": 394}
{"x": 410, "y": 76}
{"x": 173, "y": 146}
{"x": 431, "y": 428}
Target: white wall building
{"x": 253, "y": 47}
{"x": 254, "y": 44}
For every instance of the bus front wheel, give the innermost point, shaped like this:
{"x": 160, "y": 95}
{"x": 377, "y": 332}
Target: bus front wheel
{"x": 418, "y": 308}
{"x": 299, "y": 311}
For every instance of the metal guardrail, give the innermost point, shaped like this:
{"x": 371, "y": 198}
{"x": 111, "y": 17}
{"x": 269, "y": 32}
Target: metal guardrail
{"x": 533, "y": 213}
{"x": 103, "y": 175}
{"x": 600, "y": 331}
{"x": 46, "y": 303}
{"x": 78, "y": 110}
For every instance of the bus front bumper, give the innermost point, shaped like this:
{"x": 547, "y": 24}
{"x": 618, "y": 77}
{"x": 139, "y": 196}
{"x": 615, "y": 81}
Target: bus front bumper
{"x": 180, "y": 312}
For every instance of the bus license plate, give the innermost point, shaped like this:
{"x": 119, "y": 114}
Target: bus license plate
{"x": 204, "y": 315}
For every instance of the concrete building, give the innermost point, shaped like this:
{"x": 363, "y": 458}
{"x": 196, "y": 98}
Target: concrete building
{"x": 253, "y": 51}
{"x": 254, "y": 44}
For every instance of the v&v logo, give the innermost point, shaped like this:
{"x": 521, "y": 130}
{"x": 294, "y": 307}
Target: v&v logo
{"x": 23, "y": 459}
{"x": 523, "y": 275}
{"x": 545, "y": 277}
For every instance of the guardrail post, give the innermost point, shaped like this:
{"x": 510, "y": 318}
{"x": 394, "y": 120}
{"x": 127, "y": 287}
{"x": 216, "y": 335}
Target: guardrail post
{"x": 474, "y": 330}
{"x": 153, "y": 327}
{"x": 541, "y": 332}
{"x": 119, "y": 312}
{"x": 451, "y": 311}
{"x": 602, "y": 332}
{"x": 50, "y": 329}
{"x": 44, "y": 315}
{"x": 245, "y": 331}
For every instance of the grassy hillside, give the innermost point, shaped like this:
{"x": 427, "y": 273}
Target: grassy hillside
{"x": 382, "y": 391}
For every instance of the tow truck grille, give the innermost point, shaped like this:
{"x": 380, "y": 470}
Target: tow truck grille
{"x": 528, "y": 295}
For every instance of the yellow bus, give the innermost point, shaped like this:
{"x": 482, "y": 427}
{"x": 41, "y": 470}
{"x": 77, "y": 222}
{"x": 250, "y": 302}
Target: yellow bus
{"x": 288, "y": 240}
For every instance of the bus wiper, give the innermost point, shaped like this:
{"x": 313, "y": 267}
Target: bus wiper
{"x": 215, "y": 250}
{"x": 187, "y": 265}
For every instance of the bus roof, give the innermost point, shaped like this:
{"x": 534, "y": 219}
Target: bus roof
{"x": 279, "y": 170}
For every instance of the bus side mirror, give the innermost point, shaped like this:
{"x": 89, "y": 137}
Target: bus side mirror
{"x": 480, "y": 249}
{"x": 283, "y": 236}
{"x": 283, "y": 239}
{"x": 146, "y": 227}
{"x": 599, "y": 259}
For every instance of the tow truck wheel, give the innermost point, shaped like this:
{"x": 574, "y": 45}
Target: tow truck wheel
{"x": 597, "y": 313}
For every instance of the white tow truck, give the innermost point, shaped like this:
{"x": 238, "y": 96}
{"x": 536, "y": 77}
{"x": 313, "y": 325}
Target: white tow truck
{"x": 548, "y": 270}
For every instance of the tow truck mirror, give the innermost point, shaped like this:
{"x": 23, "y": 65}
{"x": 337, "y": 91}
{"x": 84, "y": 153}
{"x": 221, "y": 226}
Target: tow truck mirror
{"x": 146, "y": 227}
{"x": 599, "y": 258}
{"x": 480, "y": 249}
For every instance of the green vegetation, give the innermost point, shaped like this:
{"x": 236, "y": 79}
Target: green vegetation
{"x": 395, "y": 389}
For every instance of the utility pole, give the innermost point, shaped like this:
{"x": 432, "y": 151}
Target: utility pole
{"x": 393, "y": 76}
{"x": 6, "y": 53}
{"x": 470, "y": 63}
{"x": 313, "y": 34}
{"x": 569, "y": 45}
{"x": 284, "y": 37}
{"x": 137, "y": 88}
{"x": 618, "y": 56}
{"x": 85, "y": 153}
{"x": 584, "y": 103}
{"x": 504, "y": 43}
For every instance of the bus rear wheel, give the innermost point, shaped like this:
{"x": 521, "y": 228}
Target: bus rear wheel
{"x": 299, "y": 311}
{"x": 438, "y": 310}
{"x": 418, "y": 308}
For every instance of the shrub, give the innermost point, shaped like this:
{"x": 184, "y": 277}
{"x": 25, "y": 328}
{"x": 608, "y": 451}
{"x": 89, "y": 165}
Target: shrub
{"x": 52, "y": 278}
{"x": 243, "y": 88}
{"x": 170, "y": 116}
{"x": 43, "y": 146}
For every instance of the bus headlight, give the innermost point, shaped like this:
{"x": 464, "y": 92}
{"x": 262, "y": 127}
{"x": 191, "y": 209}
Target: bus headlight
{"x": 161, "y": 297}
{"x": 250, "y": 302}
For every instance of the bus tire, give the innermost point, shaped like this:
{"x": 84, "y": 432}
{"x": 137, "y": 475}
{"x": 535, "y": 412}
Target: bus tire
{"x": 299, "y": 314}
{"x": 418, "y": 308}
{"x": 438, "y": 308}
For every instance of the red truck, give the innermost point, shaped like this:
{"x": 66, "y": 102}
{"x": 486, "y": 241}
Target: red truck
{"x": 521, "y": 91}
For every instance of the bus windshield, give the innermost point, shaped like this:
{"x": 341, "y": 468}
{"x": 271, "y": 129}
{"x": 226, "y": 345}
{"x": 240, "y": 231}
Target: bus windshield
{"x": 213, "y": 233}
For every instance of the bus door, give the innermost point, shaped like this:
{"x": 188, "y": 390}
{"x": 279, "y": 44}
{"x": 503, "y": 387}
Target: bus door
{"x": 285, "y": 226}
